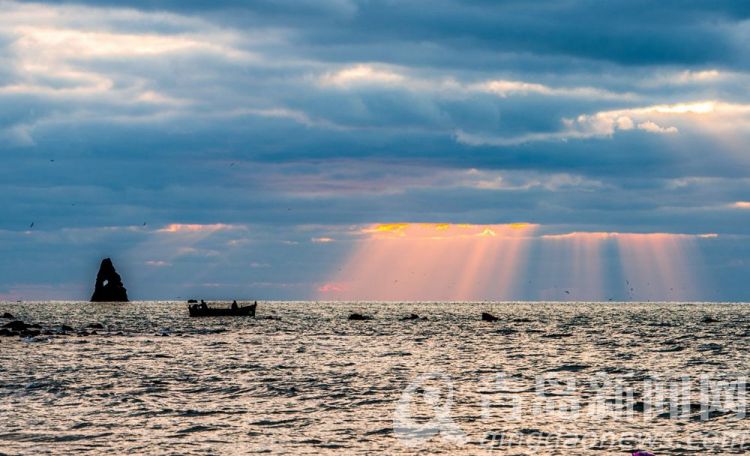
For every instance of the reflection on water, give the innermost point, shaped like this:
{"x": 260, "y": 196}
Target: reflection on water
{"x": 155, "y": 381}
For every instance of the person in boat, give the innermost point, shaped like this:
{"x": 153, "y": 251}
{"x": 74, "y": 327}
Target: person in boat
{"x": 234, "y": 305}
{"x": 204, "y": 305}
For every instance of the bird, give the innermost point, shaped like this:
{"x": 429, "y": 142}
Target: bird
{"x": 567, "y": 292}
{"x": 32, "y": 225}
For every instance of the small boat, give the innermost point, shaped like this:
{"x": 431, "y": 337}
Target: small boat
{"x": 245, "y": 311}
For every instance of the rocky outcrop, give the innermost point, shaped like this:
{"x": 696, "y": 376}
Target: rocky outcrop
{"x": 109, "y": 286}
{"x": 359, "y": 317}
{"x": 488, "y": 317}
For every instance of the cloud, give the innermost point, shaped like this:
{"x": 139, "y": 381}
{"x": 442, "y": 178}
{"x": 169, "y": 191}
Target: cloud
{"x": 196, "y": 228}
{"x": 361, "y": 74}
{"x": 504, "y": 88}
{"x": 330, "y": 288}
{"x": 231, "y": 128}
{"x": 607, "y": 123}
{"x": 652, "y": 127}
{"x": 689, "y": 76}
{"x": 158, "y": 263}
{"x": 615, "y": 235}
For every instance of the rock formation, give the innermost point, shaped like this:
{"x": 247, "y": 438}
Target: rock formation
{"x": 109, "y": 286}
{"x": 488, "y": 317}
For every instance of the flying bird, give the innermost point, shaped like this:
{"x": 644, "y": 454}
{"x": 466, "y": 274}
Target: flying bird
{"x": 32, "y": 225}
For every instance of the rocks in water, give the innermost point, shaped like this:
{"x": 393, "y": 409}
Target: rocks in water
{"x": 22, "y": 329}
{"x": 19, "y": 328}
{"x": 7, "y": 315}
{"x": 569, "y": 368}
{"x": 710, "y": 319}
{"x": 557, "y": 335}
{"x": 410, "y": 317}
{"x": 488, "y": 317}
{"x": 359, "y": 317}
{"x": 17, "y": 325}
{"x": 109, "y": 287}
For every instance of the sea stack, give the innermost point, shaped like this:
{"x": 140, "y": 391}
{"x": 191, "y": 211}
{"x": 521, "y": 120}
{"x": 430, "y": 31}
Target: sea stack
{"x": 109, "y": 286}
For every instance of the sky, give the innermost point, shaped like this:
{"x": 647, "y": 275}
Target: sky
{"x": 376, "y": 149}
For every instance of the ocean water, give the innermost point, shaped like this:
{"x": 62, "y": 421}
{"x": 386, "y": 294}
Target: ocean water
{"x": 308, "y": 381}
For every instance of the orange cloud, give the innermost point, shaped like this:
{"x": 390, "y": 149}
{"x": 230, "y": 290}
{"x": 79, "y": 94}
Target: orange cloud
{"x": 330, "y": 288}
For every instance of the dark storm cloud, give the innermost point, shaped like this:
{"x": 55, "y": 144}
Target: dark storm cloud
{"x": 630, "y": 32}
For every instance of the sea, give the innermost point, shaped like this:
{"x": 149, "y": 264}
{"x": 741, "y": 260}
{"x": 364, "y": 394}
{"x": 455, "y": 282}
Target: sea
{"x": 301, "y": 378}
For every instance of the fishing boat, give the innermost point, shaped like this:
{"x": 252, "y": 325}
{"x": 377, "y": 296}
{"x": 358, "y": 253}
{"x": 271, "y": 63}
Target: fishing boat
{"x": 244, "y": 311}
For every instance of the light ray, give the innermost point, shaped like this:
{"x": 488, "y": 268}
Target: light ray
{"x": 423, "y": 261}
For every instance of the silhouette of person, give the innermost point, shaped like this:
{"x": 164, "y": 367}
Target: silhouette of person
{"x": 234, "y": 305}
{"x": 203, "y": 304}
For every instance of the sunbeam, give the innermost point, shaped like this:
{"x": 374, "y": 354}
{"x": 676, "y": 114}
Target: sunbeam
{"x": 422, "y": 261}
